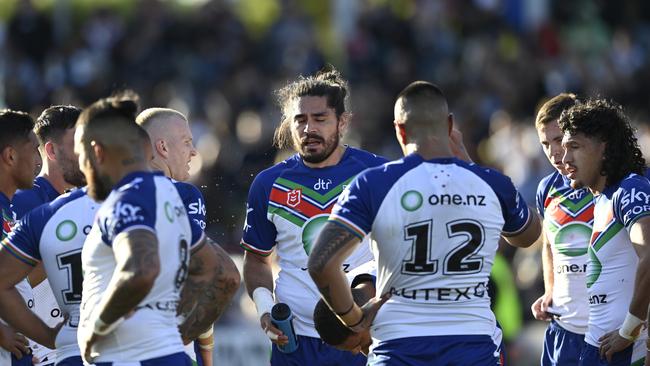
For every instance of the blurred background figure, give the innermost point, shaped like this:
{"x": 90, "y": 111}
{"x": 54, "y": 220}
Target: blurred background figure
{"x": 219, "y": 61}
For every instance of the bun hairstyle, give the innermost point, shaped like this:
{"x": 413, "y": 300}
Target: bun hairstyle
{"x": 327, "y": 83}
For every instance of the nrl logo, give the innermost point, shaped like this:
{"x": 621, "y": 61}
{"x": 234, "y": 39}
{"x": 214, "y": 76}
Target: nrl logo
{"x": 293, "y": 197}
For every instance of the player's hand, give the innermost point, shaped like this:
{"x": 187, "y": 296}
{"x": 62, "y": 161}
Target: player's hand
{"x": 275, "y": 335}
{"x": 457, "y": 146}
{"x": 611, "y": 343}
{"x": 370, "y": 310}
{"x": 13, "y": 342}
{"x": 51, "y": 344}
{"x": 87, "y": 346}
{"x": 540, "y": 307}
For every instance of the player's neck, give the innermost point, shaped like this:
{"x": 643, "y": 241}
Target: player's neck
{"x": 430, "y": 148}
{"x": 599, "y": 186}
{"x": 54, "y": 175}
{"x": 157, "y": 164}
{"x": 331, "y": 160}
{"x": 7, "y": 186}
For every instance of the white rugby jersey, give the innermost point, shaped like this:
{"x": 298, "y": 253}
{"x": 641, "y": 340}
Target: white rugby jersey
{"x": 149, "y": 201}
{"x": 435, "y": 227}
{"x": 613, "y": 260}
{"x": 54, "y": 233}
{"x": 568, "y": 218}
{"x": 287, "y": 206}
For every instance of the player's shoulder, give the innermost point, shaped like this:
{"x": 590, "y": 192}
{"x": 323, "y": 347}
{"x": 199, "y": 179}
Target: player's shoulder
{"x": 632, "y": 182}
{"x": 187, "y": 190}
{"x": 491, "y": 176}
{"x": 554, "y": 179}
{"x": 364, "y": 157}
{"x": 391, "y": 170}
{"x": 268, "y": 176}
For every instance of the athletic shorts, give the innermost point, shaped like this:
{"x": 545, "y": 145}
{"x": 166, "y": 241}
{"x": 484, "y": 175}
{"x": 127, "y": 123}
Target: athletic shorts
{"x": 561, "y": 347}
{"x": 591, "y": 357}
{"x": 71, "y": 361}
{"x": 466, "y": 350}
{"x": 176, "y": 359}
{"x": 314, "y": 352}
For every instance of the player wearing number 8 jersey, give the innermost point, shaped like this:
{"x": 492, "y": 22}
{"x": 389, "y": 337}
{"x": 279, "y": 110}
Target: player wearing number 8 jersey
{"x": 435, "y": 222}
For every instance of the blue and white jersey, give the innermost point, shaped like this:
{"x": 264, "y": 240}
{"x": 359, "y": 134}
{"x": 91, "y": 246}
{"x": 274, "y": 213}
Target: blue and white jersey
{"x": 568, "y": 216}
{"x": 287, "y": 206}
{"x": 7, "y": 219}
{"x": 612, "y": 259}
{"x": 435, "y": 227}
{"x": 194, "y": 202}
{"x": 54, "y": 234}
{"x": 26, "y": 200}
{"x": 145, "y": 201}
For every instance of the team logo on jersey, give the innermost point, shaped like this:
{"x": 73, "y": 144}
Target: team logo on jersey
{"x": 311, "y": 229}
{"x": 411, "y": 200}
{"x": 66, "y": 230}
{"x": 293, "y": 197}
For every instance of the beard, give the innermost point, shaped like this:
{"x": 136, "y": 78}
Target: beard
{"x": 329, "y": 146}
{"x": 99, "y": 186}
{"x": 72, "y": 174}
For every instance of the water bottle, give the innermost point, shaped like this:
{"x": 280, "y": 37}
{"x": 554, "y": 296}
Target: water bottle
{"x": 282, "y": 318}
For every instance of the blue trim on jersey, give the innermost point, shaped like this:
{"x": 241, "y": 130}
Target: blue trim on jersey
{"x": 543, "y": 188}
{"x": 26, "y": 200}
{"x": 630, "y": 198}
{"x": 314, "y": 352}
{"x": 71, "y": 361}
{"x": 26, "y": 235}
{"x": 359, "y": 204}
{"x": 561, "y": 347}
{"x": 260, "y": 233}
{"x": 195, "y": 206}
{"x": 132, "y": 202}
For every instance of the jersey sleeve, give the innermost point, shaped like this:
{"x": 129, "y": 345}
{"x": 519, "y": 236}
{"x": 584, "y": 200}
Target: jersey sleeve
{"x": 542, "y": 192}
{"x": 23, "y": 241}
{"x": 632, "y": 200}
{"x": 353, "y": 210}
{"x": 513, "y": 206}
{"x": 259, "y": 233}
{"x": 133, "y": 209}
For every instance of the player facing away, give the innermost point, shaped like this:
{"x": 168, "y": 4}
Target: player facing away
{"x": 288, "y": 204}
{"x": 136, "y": 256}
{"x": 170, "y": 141}
{"x": 434, "y": 241}
{"x": 18, "y": 161}
{"x": 60, "y": 171}
{"x": 602, "y": 154}
{"x": 568, "y": 217}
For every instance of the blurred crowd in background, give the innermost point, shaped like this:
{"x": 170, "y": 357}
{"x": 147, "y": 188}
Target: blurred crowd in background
{"x": 219, "y": 62}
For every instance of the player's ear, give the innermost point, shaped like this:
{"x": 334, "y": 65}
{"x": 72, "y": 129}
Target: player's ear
{"x": 8, "y": 155}
{"x": 344, "y": 122}
{"x": 161, "y": 148}
{"x": 98, "y": 151}
{"x": 49, "y": 150}
{"x": 400, "y": 132}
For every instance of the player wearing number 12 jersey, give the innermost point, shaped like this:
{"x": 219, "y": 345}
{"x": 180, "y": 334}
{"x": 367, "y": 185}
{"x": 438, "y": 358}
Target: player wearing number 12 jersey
{"x": 435, "y": 222}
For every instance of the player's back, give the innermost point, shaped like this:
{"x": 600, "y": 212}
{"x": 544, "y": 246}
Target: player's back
{"x": 435, "y": 230}
{"x": 54, "y": 233}
{"x": 146, "y": 201}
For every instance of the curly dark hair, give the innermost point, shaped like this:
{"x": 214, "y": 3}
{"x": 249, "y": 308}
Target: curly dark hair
{"x": 605, "y": 120}
{"x": 327, "y": 82}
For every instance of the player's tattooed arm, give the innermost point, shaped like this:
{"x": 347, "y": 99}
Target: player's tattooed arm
{"x": 212, "y": 281}
{"x": 333, "y": 245}
{"x": 137, "y": 267}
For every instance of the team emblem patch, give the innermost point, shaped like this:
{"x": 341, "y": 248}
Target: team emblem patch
{"x": 293, "y": 197}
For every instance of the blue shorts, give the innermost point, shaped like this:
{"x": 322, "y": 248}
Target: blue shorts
{"x": 590, "y": 356}
{"x": 26, "y": 360}
{"x": 71, "y": 361}
{"x": 561, "y": 347}
{"x": 466, "y": 350}
{"x": 314, "y": 352}
{"x": 176, "y": 359}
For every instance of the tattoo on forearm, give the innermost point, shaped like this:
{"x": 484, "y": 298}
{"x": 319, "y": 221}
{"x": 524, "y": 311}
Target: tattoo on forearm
{"x": 331, "y": 239}
{"x": 205, "y": 297}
